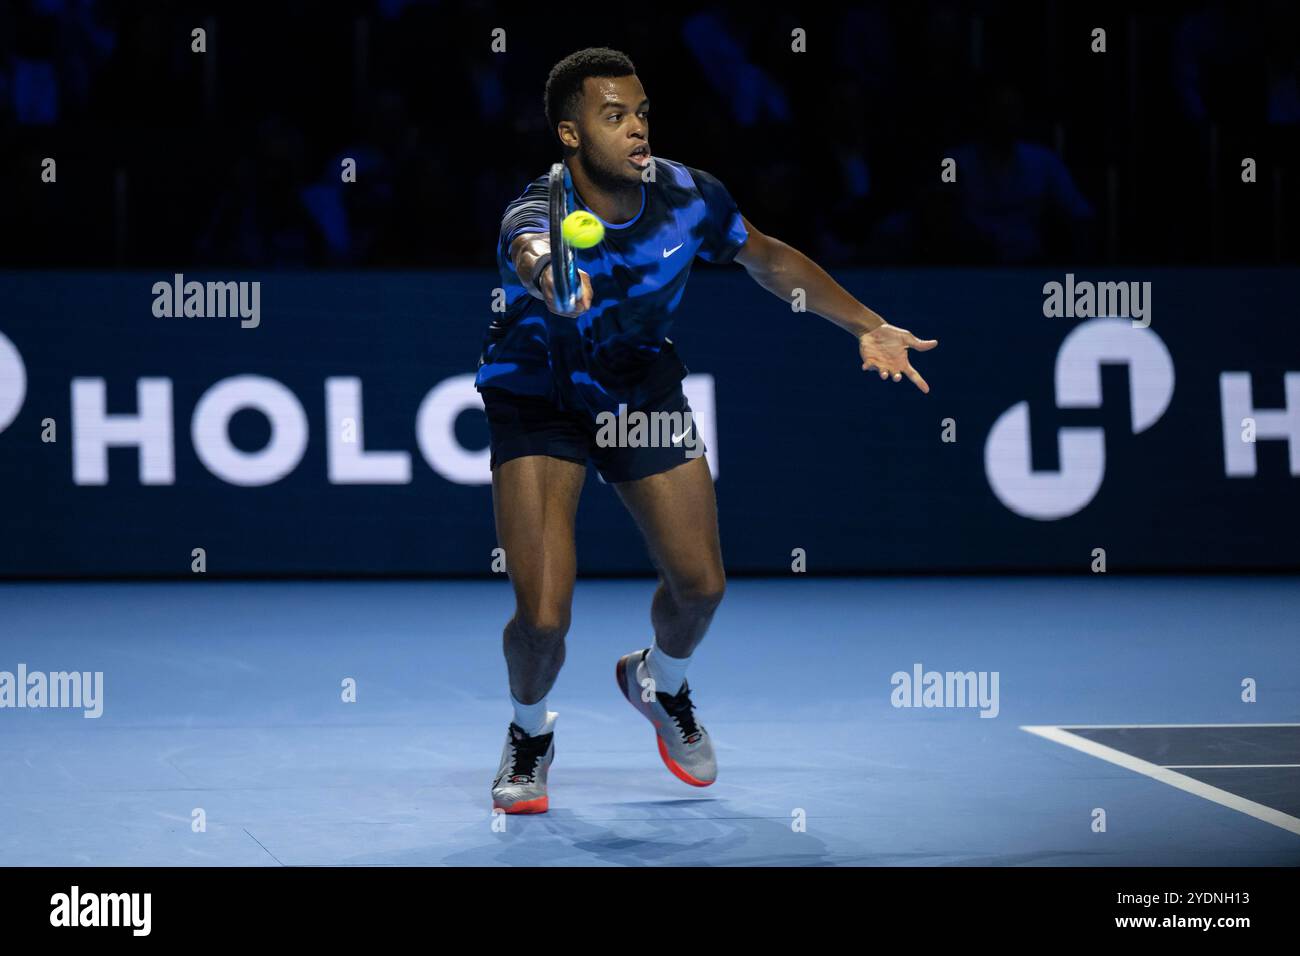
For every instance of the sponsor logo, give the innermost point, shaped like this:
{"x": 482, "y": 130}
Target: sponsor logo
{"x": 150, "y": 428}
{"x": 1048, "y": 496}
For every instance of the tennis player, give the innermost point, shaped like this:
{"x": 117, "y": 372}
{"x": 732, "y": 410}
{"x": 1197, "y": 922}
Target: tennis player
{"x": 549, "y": 377}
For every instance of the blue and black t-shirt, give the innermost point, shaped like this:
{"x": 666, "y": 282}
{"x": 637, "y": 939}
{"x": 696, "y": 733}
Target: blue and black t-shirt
{"x": 618, "y": 351}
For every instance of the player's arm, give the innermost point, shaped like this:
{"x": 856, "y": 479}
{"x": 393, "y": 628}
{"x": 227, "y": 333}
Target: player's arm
{"x": 781, "y": 269}
{"x": 530, "y": 253}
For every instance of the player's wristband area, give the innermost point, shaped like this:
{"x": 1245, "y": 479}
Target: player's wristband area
{"x": 543, "y": 263}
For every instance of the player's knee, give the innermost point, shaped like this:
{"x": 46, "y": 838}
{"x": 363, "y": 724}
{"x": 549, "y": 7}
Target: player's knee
{"x": 702, "y": 593}
{"x": 542, "y": 625}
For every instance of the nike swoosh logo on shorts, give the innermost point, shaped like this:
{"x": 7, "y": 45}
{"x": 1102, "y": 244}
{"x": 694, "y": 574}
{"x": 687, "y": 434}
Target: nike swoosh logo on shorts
{"x": 669, "y": 252}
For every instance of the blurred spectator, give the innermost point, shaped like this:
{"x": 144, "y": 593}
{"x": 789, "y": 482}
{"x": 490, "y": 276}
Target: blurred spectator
{"x": 172, "y": 158}
{"x": 739, "y": 85}
{"x": 261, "y": 218}
{"x": 1011, "y": 198}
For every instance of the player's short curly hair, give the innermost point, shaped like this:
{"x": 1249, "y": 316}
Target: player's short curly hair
{"x": 564, "y": 85}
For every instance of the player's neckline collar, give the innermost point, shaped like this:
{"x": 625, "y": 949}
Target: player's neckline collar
{"x": 611, "y": 225}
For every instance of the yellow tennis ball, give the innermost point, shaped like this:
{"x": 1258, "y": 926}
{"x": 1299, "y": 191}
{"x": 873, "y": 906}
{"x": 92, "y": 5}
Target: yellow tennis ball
{"x": 581, "y": 229}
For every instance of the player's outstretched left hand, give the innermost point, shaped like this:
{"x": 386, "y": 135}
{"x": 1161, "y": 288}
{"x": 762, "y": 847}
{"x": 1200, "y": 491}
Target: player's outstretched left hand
{"x": 885, "y": 349}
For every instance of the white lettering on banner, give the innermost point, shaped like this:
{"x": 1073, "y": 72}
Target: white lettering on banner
{"x": 435, "y": 430}
{"x": 210, "y": 430}
{"x": 1047, "y": 496}
{"x": 13, "y": 382}
{"x": 348, "y": 461}
{"x": 699, "y": 391}
{"x": 1284, "y": 423}
{"x": 150, "y": 429}
{"x": 95, "y": 431}
{"x": 1041, "y": 495}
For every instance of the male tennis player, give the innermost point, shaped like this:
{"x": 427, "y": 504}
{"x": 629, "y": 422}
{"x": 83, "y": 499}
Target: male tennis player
{"x": 547, "y": 376}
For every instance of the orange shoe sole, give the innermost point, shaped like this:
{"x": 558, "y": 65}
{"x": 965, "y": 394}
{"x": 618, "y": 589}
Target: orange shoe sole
{"x": 675, "y": 769}
{"x": 537, "y": 805}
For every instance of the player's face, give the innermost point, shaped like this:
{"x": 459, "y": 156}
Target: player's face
{"x": 615, "y": 130}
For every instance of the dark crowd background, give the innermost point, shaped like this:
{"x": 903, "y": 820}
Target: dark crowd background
{"x": 169, "y": 158}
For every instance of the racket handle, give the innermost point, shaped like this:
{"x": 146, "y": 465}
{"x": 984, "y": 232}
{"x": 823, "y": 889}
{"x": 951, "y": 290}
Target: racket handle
{"x": 568, "y": 287}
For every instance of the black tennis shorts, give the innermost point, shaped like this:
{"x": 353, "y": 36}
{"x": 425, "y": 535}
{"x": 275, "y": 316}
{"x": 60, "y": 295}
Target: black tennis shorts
{"x": 625, "y": 445}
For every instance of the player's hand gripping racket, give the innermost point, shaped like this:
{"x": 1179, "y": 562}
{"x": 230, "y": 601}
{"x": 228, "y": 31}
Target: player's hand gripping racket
{"x": 564, "y": 271}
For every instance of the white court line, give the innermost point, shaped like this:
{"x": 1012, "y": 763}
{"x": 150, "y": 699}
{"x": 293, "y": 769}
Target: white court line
{"x": 1062, "y": 736}
{"x": 1135, "y": 726}
{"x": 1225, "y": 766}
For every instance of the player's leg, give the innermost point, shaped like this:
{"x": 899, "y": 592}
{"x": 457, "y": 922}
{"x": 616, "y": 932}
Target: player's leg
{"x": 535, "y": 499}
{"x": 538, "y": 467}
{"x": 677, "y": 513}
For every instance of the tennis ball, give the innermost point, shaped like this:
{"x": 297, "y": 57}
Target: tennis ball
{"x": 581, "y": 229}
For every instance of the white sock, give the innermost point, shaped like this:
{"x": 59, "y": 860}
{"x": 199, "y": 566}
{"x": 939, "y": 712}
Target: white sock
{"x": 667, "y": 672}
{"x": 531, "y": 718}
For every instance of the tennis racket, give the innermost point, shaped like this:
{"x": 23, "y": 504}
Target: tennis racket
{"x": 564, "y": 271}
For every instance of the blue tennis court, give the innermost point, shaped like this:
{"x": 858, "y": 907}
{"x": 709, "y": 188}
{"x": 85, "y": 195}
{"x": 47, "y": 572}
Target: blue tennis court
{"x": 225, "y": 739}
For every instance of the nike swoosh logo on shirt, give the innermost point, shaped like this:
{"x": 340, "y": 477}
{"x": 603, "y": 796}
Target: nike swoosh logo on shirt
{"x": 669, "y": 252}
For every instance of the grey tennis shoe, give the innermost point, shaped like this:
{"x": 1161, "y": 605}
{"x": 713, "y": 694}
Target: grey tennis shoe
{"x": 520, "y": 784}
{"x": 684, "y": 744}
